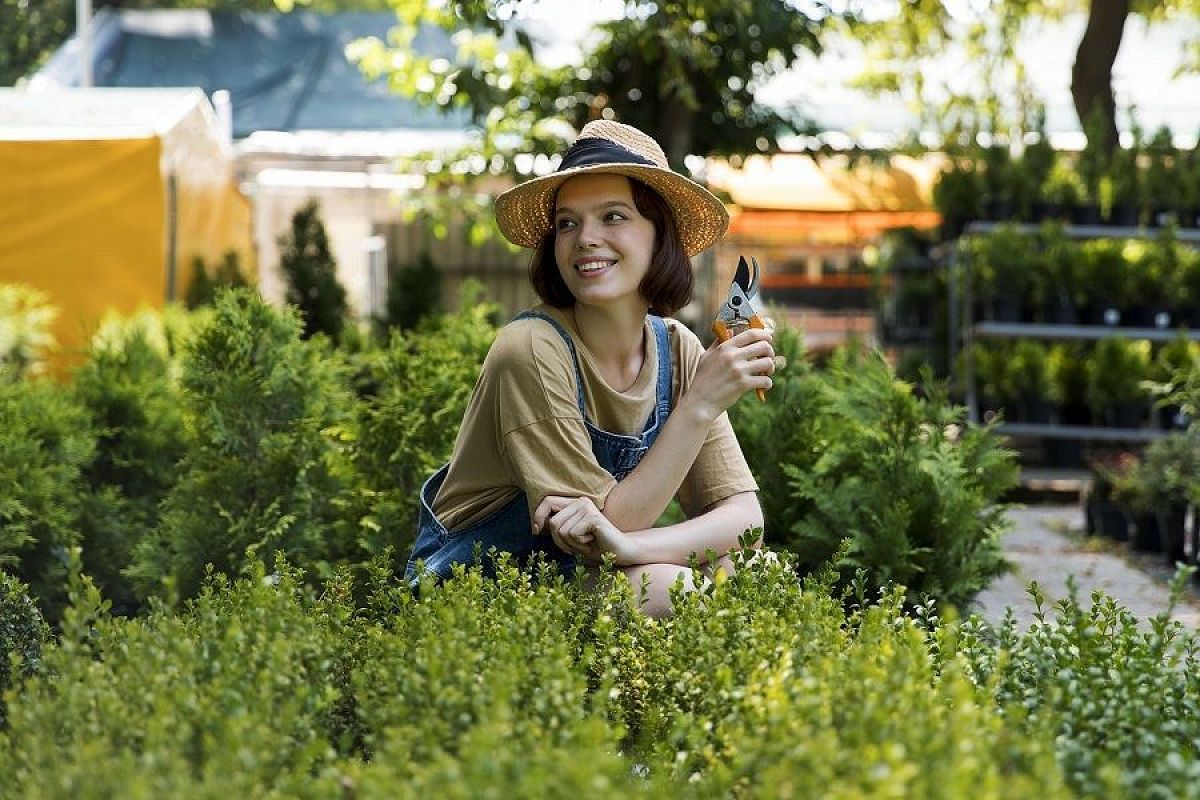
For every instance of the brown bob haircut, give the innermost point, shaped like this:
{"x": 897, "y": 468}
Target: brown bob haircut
{"x": 667, "y": 284}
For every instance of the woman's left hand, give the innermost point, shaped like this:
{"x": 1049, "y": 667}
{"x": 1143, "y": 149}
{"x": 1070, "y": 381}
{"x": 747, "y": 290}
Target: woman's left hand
{"x": 579, "y": 528}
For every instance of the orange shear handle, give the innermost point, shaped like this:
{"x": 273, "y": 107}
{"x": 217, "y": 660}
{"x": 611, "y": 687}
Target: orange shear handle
{"x": 724, "y": 333}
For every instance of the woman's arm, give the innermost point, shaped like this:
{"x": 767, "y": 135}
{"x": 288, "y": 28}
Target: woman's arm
{"x": 578, "y": 527}
{"x": 724, "y": 373}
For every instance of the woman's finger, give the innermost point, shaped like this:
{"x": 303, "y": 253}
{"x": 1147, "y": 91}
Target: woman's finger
{"x": 550, "y": 505}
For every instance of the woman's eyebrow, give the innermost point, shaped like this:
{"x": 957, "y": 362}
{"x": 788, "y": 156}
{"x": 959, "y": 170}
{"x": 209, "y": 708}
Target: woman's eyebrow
{"x": 607, "y": 204}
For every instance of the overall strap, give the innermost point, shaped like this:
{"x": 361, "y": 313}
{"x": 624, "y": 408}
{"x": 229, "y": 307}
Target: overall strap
{"x": 570, "y": 346}
{"x": 662, "y": 398}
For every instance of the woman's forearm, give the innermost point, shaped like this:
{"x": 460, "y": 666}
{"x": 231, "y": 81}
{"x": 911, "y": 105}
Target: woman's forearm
{"x": 718, "y": 530}
{"x": 637, "y": 501}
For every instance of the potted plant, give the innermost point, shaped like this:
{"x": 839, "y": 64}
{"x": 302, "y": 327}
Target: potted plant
{"x": 1091, "y": 164}
{"x": 1189, "y": 168}
{"x": 998, "y": 171}
{"x": 1063, "y": 190}
{"x": 1171, "y": 466}
{"x": 1060, "y": 275}
{"x": 1029, "y": 379}
{"x": 1068, "y": 373}
{"x": 1151, "y": 267}
{"x": 1037, "y": 162}
{"x": 1135, "y": 492}
{"x": 1003, "y": 263}
{"x": 1168, "y": 369}
{"x": 1105, "y": 281}
{"x": 1120, "y": 188}
{"x": 991, "y": 378}
{"x": 957, "y": 195}
{"x": 1105, "y": 515}
{"x": 1163, "y": 187}
{"x": 1116, "y": 371}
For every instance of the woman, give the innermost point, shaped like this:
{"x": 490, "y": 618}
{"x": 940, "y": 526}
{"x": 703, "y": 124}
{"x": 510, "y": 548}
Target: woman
{"x": 592, "y": 411}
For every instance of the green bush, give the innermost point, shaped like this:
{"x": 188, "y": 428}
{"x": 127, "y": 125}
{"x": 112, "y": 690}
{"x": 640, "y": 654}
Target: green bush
{"x": 23, "y": 634}
{"x": 46, "y": 442}
{"x": 416, "y": 392}
{"x": 261, "y": 474}
{"x": 25, "y": 337}
{"x": 414, "y": 292}
{"x": 134, "y": 401}
{"x": 850, "y": 454}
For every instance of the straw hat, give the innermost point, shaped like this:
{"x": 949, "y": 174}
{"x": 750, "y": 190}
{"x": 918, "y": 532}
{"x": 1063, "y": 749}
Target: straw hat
{"x": 524, "y": 212}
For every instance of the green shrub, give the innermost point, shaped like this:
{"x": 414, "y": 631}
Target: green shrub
{"x": 23, "y": 634}
{"x": 417, "y": 391}
{"x": 234, "y": 697}
{"x": 1122, "y": 698}
{"x": 414, "y": 292}
{"x": 261, "y": 474}
{"x": 758, "y": 686}
{"x": 25, "y": 337}
{"x": 909, "y": 488}
{"x": 46, "y": 442}
{"x": 134, "y": 402}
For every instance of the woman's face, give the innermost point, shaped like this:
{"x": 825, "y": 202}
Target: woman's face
{"x": 603, "y": 245}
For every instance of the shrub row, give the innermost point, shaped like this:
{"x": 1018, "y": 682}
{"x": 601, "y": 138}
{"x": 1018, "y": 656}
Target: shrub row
{"x": 219, "y": 439}
{"x": 526, "y": 686}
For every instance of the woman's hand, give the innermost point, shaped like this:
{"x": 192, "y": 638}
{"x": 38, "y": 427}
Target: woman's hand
{"x": 729, "y": 369}
{"x": 579, "y": 528}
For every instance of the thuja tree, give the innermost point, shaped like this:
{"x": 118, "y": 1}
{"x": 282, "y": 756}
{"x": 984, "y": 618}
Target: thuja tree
{"x": 133, "y": 400}
{"x": 45, "y": 443}
{"x": 311, "y": 273}
{"x": 260, "y": 475}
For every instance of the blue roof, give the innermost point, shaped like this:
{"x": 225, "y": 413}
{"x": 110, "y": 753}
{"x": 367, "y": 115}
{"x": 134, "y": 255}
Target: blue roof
{"x": 284, "y": 72}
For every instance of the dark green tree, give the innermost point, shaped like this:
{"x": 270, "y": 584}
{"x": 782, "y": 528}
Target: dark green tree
{"x": 311, "y": 272}
{"x": 414, "y": 292}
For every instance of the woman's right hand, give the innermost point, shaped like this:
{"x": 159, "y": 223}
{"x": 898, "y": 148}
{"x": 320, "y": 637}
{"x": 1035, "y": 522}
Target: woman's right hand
{"x": 729, "y": 369}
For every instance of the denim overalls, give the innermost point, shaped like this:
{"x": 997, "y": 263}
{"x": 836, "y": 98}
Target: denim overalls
{"x": 510, "y": 528}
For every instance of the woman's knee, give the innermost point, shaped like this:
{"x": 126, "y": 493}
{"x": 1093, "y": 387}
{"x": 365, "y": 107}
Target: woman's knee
{"x": 652, "y": 586}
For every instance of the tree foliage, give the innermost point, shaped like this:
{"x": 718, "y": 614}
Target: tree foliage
{"x": 991, "y": 93}
{"x": 684, "y": 71}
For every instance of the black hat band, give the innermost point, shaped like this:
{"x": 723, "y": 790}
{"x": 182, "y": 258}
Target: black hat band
{"x": 591, "y": 152}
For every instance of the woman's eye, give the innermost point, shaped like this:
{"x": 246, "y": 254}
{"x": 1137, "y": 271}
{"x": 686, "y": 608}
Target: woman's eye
{"x": 614, "y": 216}
{"x": 564, "y": 224}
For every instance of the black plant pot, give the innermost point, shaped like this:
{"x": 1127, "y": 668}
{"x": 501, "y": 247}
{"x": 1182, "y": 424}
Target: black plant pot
{"x": 1172, "y": 418}
{"x": 1161, "y": 217}
{"x": 1040, "y": 211}
{"x": 1063, "y": 452}
{"x": 1146, "y": 536}
{"x": 1037, "y": 410}
{"x": 999, "y": 210}
{"x": 1061, "y": 312}
{"x": 1138, "y": 317}
{"x": 1108, "y": 519}
{"x": 1123, "y": 214}
{"x": 1006, "y": 309}
{"x": 1102, "y": 314}
{"x": 1085, "y": 215}
{"x": 1190, "y": 217}
{"x": 1171, "y": 522}
{"x": 1074, "y": 414}
{"x": 1126, "y": 415}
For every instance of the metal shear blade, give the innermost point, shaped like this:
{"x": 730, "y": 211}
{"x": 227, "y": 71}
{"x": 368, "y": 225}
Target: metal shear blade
{"x": 741, "y": 305}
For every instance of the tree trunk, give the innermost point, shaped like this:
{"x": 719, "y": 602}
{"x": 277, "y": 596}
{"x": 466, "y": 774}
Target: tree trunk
{"x": 1091, "y": 76}
{"x": 674, "y": 131}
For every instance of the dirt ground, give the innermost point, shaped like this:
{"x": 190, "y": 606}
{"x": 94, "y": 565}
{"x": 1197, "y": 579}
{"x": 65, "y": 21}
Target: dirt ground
{"x": 1047, "y": 543}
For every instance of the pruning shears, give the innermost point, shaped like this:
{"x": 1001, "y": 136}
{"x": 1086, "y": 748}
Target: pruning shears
{"x": 741, "y": 309}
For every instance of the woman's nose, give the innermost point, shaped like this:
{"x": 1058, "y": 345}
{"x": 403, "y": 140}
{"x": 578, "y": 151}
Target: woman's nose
{"x": 588, "y": 235}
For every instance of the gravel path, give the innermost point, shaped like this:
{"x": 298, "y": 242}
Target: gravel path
{"x": 1046, "y": 544}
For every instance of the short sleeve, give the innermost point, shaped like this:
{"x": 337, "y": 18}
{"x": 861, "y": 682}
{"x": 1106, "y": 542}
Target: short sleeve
{"x": 543, "y": 440}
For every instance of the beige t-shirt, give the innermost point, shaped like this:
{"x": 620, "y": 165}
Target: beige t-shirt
{"x": 523, "y": 431}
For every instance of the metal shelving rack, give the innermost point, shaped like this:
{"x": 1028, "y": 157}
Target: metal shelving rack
{"x": 960, "y": 274}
